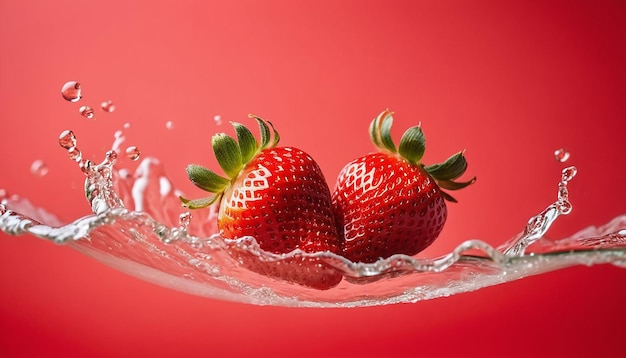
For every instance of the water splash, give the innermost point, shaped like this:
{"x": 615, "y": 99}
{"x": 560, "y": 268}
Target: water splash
{"x": 561, "y": 155}
{"x": 71, "y": 91}
{"x": 108, "y": 106}
{"x": 133, "y": 153}
{"x": 86, "y": 112}
{"x": 139, "y": 227}
{"x": 39, "y": 168}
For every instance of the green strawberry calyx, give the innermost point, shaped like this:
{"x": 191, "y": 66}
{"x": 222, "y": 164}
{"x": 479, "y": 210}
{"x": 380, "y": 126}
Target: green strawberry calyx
{"x": 412, "y": 147}
{"x": 232, "y": 156}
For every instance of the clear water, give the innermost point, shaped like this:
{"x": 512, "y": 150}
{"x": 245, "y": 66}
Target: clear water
{"x": 138, "y": 226}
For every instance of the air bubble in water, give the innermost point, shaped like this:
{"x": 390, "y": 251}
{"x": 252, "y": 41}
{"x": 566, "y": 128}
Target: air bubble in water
{"x": 217, "y": 119}
{"x": 184, "y": 220}
{"x": 169, "y": 125}
{"x": 67, "y": 139}
{"x": 86, "y": 112}
{"x": 561, "y": 155}
{"x": 133, "y": 152}
{"x": 39, "y": 168}
{"x": 108, "y": 106}
{"x": 71, "y": 91}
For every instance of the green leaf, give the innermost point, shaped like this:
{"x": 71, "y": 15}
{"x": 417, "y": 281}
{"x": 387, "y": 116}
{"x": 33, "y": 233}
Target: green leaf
{"x": 199, "y": 203}
{"x": 264, "y": 129}
{"x": 206, "y": 179}
{"x": 452, "y": 168}
{"x": 453, "y": 185}
{"x": 228, "y": 154}
{"x": 412, "y": 144}
{"x": 276, "y": 135}
{"x": 385, "y": 133}
{"x": 374, "y": 134}
{"x": 247, "y": 143}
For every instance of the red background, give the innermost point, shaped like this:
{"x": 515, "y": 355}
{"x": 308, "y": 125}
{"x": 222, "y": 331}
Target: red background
{"x": 510, "y": 82}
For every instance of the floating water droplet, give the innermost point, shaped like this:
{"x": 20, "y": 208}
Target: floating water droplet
{"x": 126, "y": 125}
{"x": 568, "y": 173}
{"x": 217, "y": 119}
{"x": 184, "y": 220}
{"x": 111, "y": 157}
{"x": 75, "y": 154}
{"x": 108, "y": 106}
{"x": 67, "y": 139}
{"x": 86, "y": 112}
{"x": 133, "y": 152}
{"x": 169, "y": 125}
{"x": 71, "y": 91}
{"x": 3, "y": 193}
{"x": 561, "y": 155}
{"x": 39, "y": 168}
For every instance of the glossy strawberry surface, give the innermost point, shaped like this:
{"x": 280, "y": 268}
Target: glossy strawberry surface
{"x": 389, "y": 202}
{"x": 386, "y": 206}
{"x": 276, "y": 195}
{"x": 280, "y": 198}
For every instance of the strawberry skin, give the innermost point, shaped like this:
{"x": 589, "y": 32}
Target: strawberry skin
{"x": 389, "y": 203}
{"x": 279, "y": 196}
{"x": 386, "y": 206}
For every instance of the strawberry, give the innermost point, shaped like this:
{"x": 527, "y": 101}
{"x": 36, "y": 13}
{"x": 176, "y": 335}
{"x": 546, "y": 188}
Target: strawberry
{"x": 279, "y": 196}
{"x": 389, "y": 202}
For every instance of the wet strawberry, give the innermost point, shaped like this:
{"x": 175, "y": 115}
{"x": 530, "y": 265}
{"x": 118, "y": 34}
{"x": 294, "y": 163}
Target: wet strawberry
{"x": 389, "y": 202}
{"x": 277, "y": 195}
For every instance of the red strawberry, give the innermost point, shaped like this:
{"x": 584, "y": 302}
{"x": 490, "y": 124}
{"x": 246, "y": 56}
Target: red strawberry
{"x": 390, "y": 203}
{"x": 276, "y": 195}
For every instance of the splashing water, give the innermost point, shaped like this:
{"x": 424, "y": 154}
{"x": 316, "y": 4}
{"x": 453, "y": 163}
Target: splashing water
{"x": 39, "y": 168}
{"x": 561, "y": 155}
{"x": 139, "y": 227}
{"x": 108, "y": 106}
{"x": 71, "y": 91}
{"x": 86, "y": 112}
{"x": 133, "y": 153}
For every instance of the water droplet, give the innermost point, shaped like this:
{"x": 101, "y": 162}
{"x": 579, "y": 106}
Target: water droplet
{"x": 71, "y": 91}
{"x": 86, "y": 112}
{"x": 133, "y": 152}
{"x": 111, "y": 157}
{"x": 184, "y": 220}
{"x": 565, "y": 207}
{"x": 568, "y": 174}
{"x": 126, "y": 125}
{"x": 217, "y": 119}
{"x": 75, "y": 154}
{"x": 169, "y": 125}
{"x": 67, "y": 139}
{"x": 39, "y": 168}
{"x": 561, "y": 155}
{"x": 108, "y": 106}
{"x": 3, "y": 193}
